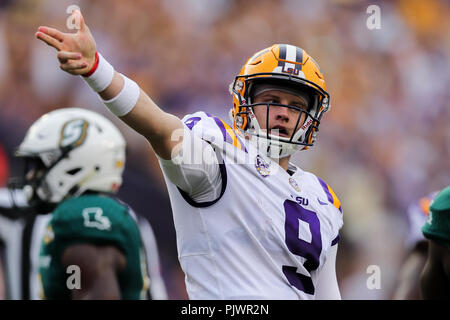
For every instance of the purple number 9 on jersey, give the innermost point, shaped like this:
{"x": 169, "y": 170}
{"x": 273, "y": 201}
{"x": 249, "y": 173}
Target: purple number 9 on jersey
{"x": 308, "y": 250}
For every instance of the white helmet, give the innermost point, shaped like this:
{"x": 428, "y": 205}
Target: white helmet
{"x": 78, "y": 149}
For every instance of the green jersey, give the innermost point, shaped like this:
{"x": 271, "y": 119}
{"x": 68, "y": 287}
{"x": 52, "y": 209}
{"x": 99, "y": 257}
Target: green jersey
{"x": 437, "y": 226}
{"x": 98, "y": 220}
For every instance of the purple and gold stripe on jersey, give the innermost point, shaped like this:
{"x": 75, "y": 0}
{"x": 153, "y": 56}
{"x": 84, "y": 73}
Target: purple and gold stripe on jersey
{"x": 332, "y": 198}
{"x": 228, "y": 133}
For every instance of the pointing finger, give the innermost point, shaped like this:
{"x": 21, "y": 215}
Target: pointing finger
{"x": 58, "y": 35}
{"x": 49, "y": 40}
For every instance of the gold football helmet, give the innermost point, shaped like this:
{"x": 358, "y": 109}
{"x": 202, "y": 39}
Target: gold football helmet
{"x": 284, "y": 66}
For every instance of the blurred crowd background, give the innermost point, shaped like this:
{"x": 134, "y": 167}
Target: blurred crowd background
{"x": 384, "y": 144}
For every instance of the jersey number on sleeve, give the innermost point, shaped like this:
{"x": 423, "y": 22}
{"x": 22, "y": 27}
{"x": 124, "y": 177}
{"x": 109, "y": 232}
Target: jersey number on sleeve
{"x": 302, "y": 228}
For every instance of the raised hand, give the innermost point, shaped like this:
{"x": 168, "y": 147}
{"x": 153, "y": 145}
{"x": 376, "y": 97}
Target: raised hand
{"x": 76, "y": 51}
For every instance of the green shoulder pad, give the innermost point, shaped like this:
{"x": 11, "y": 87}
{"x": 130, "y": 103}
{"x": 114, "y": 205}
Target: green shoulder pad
{"x": 95, "y": 219}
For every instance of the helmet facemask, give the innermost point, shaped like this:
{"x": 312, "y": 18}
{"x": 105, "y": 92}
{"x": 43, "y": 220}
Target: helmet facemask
{"x": 34, "y": 182}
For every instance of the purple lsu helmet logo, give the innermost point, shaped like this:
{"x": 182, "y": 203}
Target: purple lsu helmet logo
{"x": 293, "y": 71}
{"x": 262, "y": 166}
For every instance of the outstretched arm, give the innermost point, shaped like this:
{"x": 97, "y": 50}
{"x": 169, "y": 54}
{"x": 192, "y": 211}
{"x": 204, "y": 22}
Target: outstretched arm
{"x": 77, "y": 56}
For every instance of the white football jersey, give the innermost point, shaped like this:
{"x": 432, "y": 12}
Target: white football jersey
{"x": 269, "y": 233}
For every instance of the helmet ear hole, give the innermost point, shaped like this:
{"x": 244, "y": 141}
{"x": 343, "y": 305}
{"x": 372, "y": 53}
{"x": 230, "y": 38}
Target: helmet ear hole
{"x": 73, "y": 171}
{"x": 231, "y": 115}
{"x": 310, "y": 133}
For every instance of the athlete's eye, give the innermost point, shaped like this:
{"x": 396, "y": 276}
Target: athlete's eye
{"x": 300, "y": 106}
{"x": 270, "y": 100}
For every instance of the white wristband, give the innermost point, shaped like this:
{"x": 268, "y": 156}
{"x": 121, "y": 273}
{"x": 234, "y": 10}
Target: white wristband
{"x": 102, "y": 77}
{"x": 127, "y": 98}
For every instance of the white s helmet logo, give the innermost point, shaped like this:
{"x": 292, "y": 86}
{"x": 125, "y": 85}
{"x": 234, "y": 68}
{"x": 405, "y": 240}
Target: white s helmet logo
{"x": 73, "y": 133}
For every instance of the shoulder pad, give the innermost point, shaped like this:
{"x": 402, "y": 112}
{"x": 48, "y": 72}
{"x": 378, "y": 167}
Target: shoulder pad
{"x": 213, "y": 129}
{"x": 92, "y": 216}
{"x": 331, "y": 196}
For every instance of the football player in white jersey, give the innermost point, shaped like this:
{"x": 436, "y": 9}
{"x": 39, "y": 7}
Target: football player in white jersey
{"x": 249, "y": 224}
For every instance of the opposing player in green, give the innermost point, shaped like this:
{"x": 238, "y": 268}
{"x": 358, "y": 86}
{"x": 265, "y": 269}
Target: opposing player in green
{"x": 91, "y": 246}
{"x": 435, "y": 279}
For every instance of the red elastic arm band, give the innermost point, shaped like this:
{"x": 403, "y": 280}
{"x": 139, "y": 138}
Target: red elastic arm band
{"x": 94, "y": 67}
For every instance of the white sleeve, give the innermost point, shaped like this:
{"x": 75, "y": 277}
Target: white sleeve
{"x": 327, "y": 286}
{"x": 12, "y": 198}
{"x": 195, "y": 170}
{"x": 157, "y": 286}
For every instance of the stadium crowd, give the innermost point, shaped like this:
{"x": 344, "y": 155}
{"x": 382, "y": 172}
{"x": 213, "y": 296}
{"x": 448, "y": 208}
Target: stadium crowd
{"x": 385, "y": 142}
